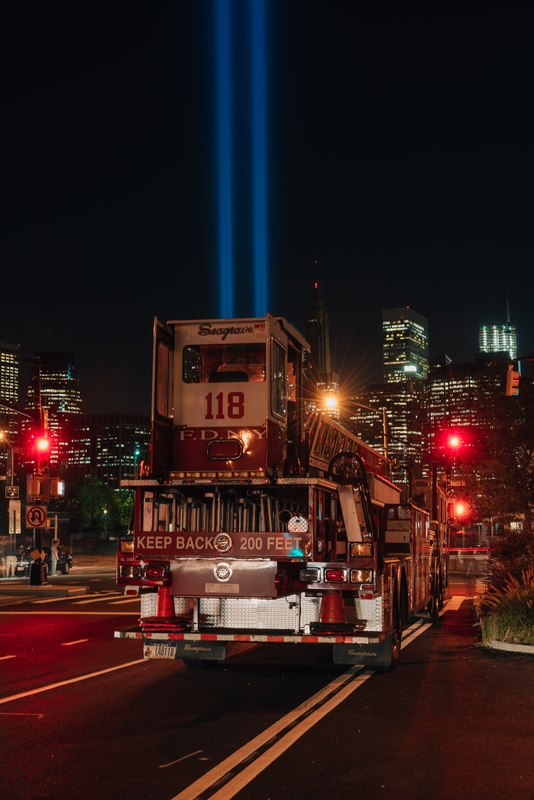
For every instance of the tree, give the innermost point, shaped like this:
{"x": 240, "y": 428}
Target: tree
{"x": 87, "y": 498}
{"x": 498, "y": 459}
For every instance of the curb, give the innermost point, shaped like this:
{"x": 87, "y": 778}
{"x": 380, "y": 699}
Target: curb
{"x": 509, "y": 647}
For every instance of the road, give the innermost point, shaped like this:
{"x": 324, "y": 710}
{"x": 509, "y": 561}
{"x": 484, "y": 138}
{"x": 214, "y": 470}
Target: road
{"x": 83, "y": 716}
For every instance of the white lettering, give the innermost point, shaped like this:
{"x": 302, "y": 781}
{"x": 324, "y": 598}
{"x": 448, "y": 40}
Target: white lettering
{"x": 204, "y": 434}
{"x": 190, "y": 545}
{"x": 183, "y": 435}
{"x": 180, "y": 542}
{"x": 199, "y": 542}
{"x": 279, "y": 544}
{"x": 167, "y": 541}
{"x": 141, "y": 542}
{"x": 270, "y": 542}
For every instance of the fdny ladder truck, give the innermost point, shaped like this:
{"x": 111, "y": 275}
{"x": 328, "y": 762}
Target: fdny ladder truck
{"x": 258, "y": 520}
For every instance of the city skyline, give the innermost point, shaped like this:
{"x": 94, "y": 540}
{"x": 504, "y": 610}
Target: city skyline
{"x": 25, "y": 381}
{"x": 399, "y": 166}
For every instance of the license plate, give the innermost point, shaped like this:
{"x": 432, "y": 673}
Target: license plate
{"x": 159, "y": 651}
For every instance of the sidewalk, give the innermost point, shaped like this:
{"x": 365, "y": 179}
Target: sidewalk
{"x": 58, "y": 587}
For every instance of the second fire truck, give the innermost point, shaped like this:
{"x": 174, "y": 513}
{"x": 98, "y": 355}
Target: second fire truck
{"x": 258, "y": 520}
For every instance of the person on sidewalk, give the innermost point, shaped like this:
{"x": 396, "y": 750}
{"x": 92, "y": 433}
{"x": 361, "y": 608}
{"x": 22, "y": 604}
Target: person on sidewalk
{"x": 53, "y": 557}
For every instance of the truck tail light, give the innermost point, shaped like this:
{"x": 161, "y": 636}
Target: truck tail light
{"x": 155, "y": 573}
{"x": 361, "y": 575}
{"x": 366, "y": 592}
{"x": 335, "y": 575}
{"x": 131, "y": 571}
{"x": 361, "y": 549}
{"x": 309, "y": 575}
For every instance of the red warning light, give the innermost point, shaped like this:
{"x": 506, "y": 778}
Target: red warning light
{"x": 42, "y": 444}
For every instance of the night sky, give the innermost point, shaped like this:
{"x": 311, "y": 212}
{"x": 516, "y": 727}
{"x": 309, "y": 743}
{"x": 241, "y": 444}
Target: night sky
{"x": 400, "y": 173}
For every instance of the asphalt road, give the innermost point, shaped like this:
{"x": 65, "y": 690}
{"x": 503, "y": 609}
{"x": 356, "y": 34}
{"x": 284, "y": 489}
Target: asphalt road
{"x": 83, "y": 716}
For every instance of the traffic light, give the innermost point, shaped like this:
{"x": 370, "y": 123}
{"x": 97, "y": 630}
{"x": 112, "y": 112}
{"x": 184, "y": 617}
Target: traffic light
{"x": 42, "y": 449}
{"x": 512, "y": 381}
{"x": 454, "y": 442}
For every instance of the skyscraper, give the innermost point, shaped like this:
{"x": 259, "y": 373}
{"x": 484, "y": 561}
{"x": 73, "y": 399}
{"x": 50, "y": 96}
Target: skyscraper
{"x": 499, "y": 338}
{"x": 111, "y": 446}
{"x": 9, "y": 387}
{"x": 55, "y": 386}
{"x": 404, "y": 345}
{"x": 318, "y": 333}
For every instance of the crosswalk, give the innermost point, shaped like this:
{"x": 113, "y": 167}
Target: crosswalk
{"x": 101, "y": 598}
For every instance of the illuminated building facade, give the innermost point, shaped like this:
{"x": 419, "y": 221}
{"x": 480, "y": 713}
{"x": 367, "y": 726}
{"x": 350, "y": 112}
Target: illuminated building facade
{"x": 498, "y": 339}
{"x": 54, "y": 384}
{"x": 9, "y": 394}
{"x": 404, "y": 345}
{"x": 9, "y": 387}
{"x": 395, "y": 415}
{"x": 110, "y": 446}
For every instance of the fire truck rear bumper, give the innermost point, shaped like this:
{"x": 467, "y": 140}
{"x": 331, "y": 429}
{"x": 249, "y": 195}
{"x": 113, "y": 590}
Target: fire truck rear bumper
{"x": 173, "y": 639}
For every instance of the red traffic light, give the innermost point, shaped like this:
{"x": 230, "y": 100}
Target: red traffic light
{"x": 42, "y": 444}
{"x": 454, "y": 441}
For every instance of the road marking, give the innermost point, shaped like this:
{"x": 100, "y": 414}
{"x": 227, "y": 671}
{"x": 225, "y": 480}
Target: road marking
{"x": 50, "y": 600}
{"x": 72, "y": 613}
{"x": 343, "y": 686}
{"x": 51, "y": 686}
{"x": 14, "y": 714}
{"x": 183, "y": 758}
{"x": 129, "y": 600}
{"x": 100, "y": 599}
{"x": 454, "y": 603}
{"x": 76, "y": 641}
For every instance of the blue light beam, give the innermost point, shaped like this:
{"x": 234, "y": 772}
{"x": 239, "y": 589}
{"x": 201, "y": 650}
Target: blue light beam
{"x": 224, "y": 157}
{"x": 258, "y": 58}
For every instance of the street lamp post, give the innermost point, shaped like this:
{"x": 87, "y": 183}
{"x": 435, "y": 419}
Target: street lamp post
{"x": 105, "y": 512}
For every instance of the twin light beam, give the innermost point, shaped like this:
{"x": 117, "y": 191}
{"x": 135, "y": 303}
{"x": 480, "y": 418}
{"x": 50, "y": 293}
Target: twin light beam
{"x": 226, "y": 161}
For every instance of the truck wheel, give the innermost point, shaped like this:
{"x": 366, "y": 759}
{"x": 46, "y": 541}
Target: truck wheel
{"x": 66, "y": 569}
{"x": 395, "y": 639}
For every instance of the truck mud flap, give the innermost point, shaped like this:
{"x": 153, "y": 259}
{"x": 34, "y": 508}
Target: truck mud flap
{"x": 372, "y": 655}
{"x": 203, "y": 651}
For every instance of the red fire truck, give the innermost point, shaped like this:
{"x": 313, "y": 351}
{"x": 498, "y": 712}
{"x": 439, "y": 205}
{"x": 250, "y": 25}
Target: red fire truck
{"x": 258, "y": 520}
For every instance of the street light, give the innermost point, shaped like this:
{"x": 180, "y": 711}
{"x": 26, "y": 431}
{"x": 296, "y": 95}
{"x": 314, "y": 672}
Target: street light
{"x": 105, "y": 512}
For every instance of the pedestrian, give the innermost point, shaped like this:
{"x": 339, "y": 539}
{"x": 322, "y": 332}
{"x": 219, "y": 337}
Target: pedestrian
{"x": 53, "y": 557}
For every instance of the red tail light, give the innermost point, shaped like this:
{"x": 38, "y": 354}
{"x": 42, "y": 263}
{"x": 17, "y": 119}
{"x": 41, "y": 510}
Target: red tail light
{"x": 335, "y": 575}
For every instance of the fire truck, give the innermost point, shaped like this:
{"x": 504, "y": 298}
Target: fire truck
{"x": 260, "y": 519}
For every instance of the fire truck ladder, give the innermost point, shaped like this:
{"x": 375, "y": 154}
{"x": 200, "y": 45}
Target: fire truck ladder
{"x": 351, "y": 471}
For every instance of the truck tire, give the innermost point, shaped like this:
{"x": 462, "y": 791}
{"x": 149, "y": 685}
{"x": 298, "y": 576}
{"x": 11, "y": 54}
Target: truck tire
{"x": 395, "y": 639}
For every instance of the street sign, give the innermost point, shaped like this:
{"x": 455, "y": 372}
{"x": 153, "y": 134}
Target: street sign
{"x": 12, "y": 492}
{"x": 14, "y": 516}
{"x": 36, "y": 516}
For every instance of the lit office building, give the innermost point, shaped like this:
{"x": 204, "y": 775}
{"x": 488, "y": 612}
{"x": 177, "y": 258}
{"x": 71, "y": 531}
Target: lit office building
{"x": 404, "y": 345}
{"x": 391, "y": 418}
{"x": 498, "y": 339}
{"x": 9, "y": 387}
{"x": 55, "y": 386}
{"x": 9, "y": 396}
{"x": 110, "y": 446}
